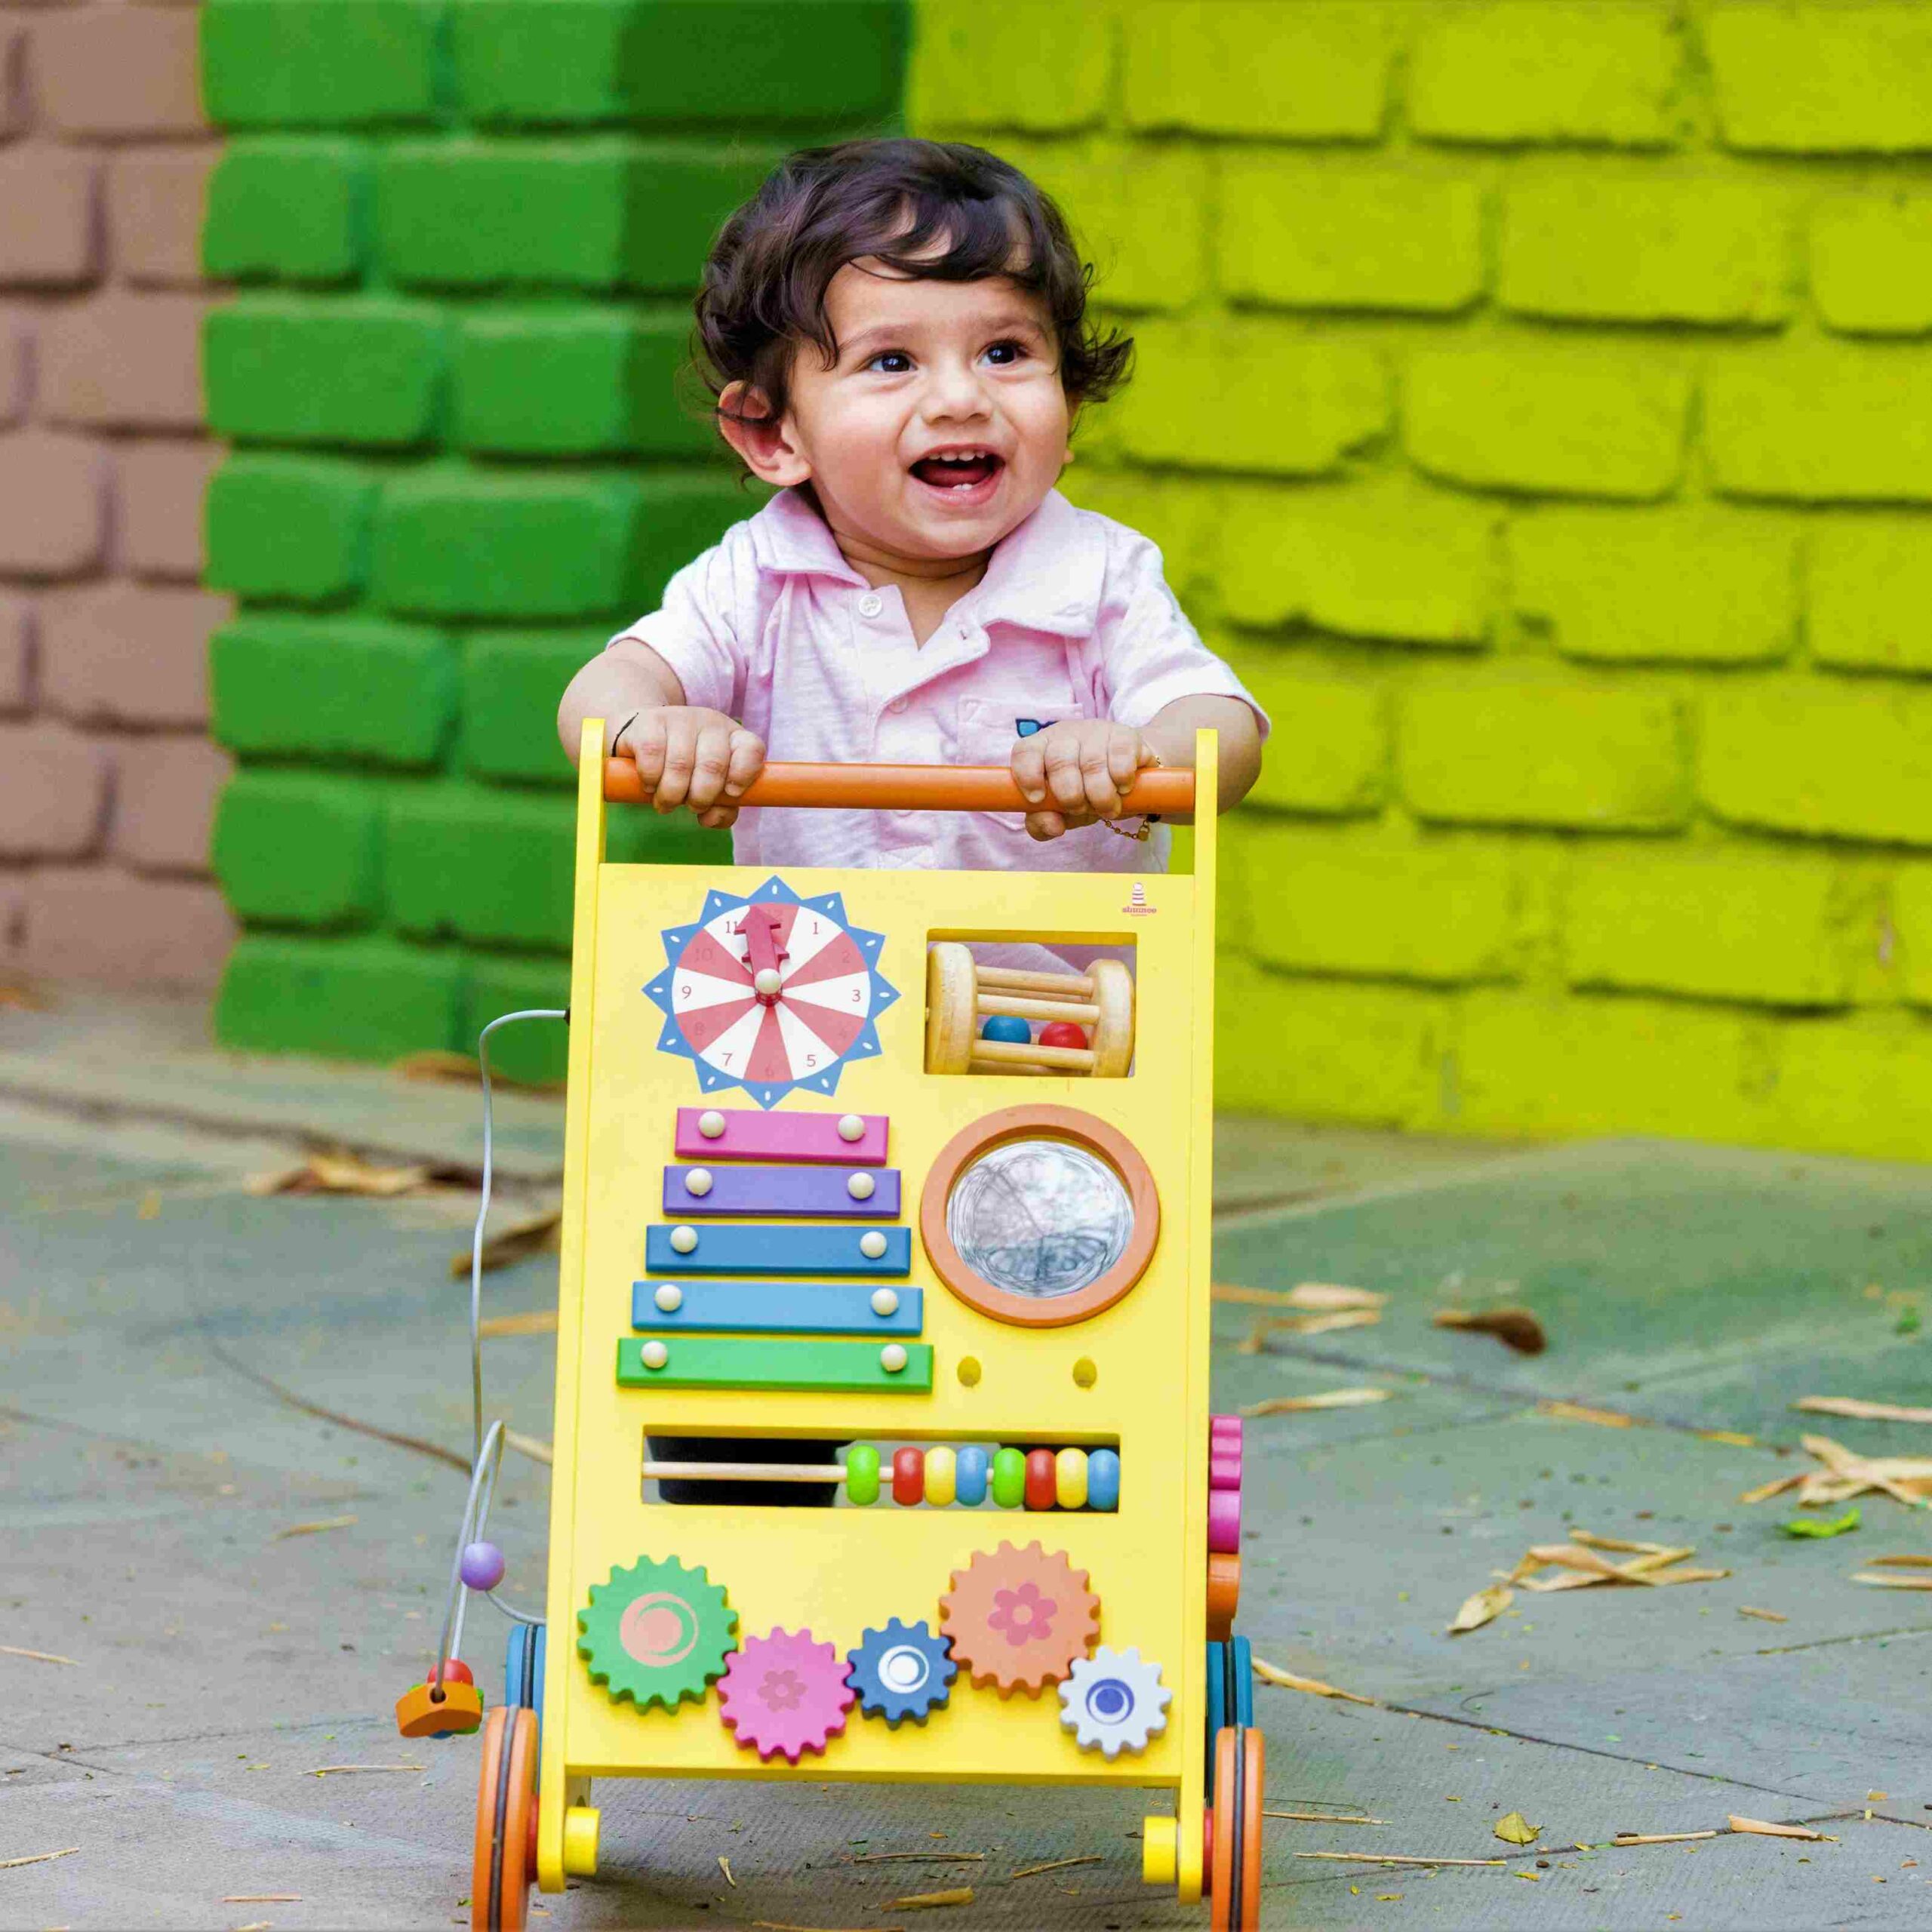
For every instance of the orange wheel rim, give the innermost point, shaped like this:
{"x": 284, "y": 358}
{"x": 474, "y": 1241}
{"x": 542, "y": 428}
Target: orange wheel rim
{"x": 1224, "y": 1595}
{"x": 1220, "y": 1892}
{"x": 1253, "y": 1778}
{"x": 500, "y": 1867}
{"x": 488, "y": 1771}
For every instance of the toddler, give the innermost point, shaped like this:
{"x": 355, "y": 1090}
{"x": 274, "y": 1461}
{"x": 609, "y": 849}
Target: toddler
{"x": 896, "y": 334}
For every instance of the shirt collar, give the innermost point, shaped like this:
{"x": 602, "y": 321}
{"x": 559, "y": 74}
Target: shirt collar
{"x": 1046, "y": 575}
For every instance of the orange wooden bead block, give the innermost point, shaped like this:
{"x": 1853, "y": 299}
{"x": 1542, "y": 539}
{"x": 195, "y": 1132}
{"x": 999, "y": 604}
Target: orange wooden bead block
{"x": 418, "y": 1714}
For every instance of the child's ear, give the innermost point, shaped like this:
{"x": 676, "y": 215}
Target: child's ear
{"x": 761, "y": 439}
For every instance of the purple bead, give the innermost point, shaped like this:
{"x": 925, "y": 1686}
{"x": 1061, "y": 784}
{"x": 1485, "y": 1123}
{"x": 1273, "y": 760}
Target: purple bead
{"x": 482, "y": 1566}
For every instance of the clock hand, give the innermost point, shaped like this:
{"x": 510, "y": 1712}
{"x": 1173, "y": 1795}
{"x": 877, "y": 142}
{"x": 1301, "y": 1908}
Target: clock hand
{"x": 762, "y": 950}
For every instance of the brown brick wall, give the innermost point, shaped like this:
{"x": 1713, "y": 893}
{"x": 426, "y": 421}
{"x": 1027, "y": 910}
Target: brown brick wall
{"x": 107, "y": 778}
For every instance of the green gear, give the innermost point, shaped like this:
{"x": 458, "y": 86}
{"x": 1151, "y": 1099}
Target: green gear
{"x": 656, "y": 1633}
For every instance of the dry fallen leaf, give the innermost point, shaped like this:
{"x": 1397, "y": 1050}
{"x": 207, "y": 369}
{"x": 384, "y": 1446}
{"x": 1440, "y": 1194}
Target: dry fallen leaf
{"x": 1332, "y": 1398}
{"x": 332, "y": 1770}
{"x": 1845, "y": 1475}
{"x": 1515, "y": 1828}
{"x": 338, "y": 1171}
{"x": 724, "y": 1865}
{"x": 1578, "y": 1412}
{"x": 1327, "y": 1817}
{"x": 1273, "y": 1673}
{"x": 1480, "y": 1609}
{"x": 1880, "y": 1581}
{"x": 316, "y": 1528}
{"x": 1659, "y": 1837}
{"x": 38, "y": 1857}
{"x": 261, "y": 1898}
{"x": 1319, "y": 1298}
{"x": 1058, "y": 1864}
{"x": 534, "y": 1446}
{"x": 535, "y": 1234}
{"x": 1256, "y": 1341}
{"x": 928, "y": 1901}
{"x": 1758, "y": 1827}
{"x": 1764, "y": 1616}
{"x": 38, "y": 1656}
{"x": 1900, "y": 1562}
{"x": 531, "y": 1321}
{"x": 1394, "y": 1858}
{"x": 1515, "y": 1328}
{"x": 1579, "y": 1565}
{"x": 1863, "y": 1411}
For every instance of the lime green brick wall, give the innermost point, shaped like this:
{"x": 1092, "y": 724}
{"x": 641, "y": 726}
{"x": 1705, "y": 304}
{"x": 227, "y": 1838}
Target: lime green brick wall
{"x": 1535, "y": 403}
{"x": 461, "y": 237}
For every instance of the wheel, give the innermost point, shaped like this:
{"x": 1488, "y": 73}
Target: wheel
{"x": 1230, "y": 1692}
{"x": 504, "y": 1864}
{"x": 523, "y": 1672}
{"x": 1234, "y": 1831}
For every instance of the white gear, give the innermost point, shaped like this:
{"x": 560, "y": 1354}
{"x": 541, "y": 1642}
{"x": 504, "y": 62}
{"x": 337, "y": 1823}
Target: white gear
{"x": 1112, "y": 1702}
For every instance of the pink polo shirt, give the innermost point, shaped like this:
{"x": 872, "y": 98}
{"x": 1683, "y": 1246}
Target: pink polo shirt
{"x": 1073, "y": 619}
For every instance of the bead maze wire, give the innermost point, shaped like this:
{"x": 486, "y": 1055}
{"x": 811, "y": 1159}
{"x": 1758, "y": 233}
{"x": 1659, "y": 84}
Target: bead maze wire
{"x": 486, "y": 1449}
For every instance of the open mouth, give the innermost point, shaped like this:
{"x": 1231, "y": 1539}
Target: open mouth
{"x": 963, "y": 471}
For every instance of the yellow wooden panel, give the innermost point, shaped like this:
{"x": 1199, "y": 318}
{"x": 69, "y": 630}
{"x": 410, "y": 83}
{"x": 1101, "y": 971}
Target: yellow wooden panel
{"x": 840, "y": 1571}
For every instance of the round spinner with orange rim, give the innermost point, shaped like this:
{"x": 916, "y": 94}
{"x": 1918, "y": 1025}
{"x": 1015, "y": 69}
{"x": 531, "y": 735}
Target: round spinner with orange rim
{"x": 1018, "y": 1618}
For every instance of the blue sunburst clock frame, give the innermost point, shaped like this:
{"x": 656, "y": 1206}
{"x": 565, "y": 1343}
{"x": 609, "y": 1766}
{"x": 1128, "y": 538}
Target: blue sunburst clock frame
{"x": 773, "y": 891}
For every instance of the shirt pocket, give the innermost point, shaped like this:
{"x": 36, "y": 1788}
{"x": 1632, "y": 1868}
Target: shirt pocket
{"x": 990, "y": 727}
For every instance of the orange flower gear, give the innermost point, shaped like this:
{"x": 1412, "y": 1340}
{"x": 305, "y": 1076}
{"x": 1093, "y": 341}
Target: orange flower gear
{"x": 1019, "y": 1618}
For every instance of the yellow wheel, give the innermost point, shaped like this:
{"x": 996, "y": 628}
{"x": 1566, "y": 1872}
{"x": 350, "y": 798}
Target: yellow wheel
{"x": 504, "y": 1865}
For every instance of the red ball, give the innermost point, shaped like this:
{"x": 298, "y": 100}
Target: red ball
{"x": 1062, "y": 1033}
{"x": 455, "y": 1671}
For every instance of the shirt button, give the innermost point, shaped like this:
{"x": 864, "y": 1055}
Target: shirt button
{"x": 897, "y": 705}
{"x": 870, "y": 605}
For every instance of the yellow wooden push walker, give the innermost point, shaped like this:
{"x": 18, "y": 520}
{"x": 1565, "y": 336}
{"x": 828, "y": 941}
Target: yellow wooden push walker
{"x": 857, "y": 1215}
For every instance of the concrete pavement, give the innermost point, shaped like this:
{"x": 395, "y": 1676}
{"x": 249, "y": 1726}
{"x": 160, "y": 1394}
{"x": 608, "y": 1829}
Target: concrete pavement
{"x": 149, "y": 1478}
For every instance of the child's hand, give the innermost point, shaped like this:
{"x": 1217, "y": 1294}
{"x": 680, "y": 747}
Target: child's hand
{"x": 688, "y": 755}
{"x": 1077, "y": 771}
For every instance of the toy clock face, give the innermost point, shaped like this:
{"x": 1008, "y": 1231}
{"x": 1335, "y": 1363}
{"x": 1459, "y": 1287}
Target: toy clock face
{"x": 769, "y": 991}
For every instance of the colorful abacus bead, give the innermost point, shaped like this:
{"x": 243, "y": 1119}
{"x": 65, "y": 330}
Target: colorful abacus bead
{"x": 1103, "y": 1480}
{"x": 1008, "y": 1027}
{"x": 1009, "y": 1478}
{"x": 909, "y": 1475}
{"x": 941, "y": 1476}
{"x": 862, "y": 1474}
{"x": 970, "y": 1470}
{"x": 1041, "y": 1481}
{"x": 1070, "y": 1478}
{"x": 481, "y": 1566}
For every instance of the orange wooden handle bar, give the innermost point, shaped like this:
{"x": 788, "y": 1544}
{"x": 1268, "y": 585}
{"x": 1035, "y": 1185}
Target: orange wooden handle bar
{"x": 936, "y": 788}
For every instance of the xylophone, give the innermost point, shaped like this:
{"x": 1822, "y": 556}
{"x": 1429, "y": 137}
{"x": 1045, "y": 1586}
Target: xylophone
{"x": 927, "y": 1272}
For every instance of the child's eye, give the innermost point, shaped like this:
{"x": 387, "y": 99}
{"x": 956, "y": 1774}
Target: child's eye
{"x": 890, "y": 362}
{"x": 1006, "y": 353}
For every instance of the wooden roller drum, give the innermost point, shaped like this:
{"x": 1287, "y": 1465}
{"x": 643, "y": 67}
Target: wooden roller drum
{"x": 962, "y": 995}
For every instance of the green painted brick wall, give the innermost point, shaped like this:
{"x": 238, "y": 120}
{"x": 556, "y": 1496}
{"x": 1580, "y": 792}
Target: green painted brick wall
{"x": 463, "y": 235}
{"x": 1535, "y": 402}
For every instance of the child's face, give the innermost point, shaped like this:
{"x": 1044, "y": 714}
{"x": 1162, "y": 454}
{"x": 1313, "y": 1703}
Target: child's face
{"x": 925, "y": 369}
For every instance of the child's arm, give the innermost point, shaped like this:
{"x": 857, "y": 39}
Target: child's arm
{"x": 1079, "y": 770}
{"x": 687, "y": 754}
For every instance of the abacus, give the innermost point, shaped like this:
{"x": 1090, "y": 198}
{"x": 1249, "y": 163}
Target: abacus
{"x": 939, "y": 1475}
{"x": 983, "y": 1019}
{"x": 977, "y": 1306}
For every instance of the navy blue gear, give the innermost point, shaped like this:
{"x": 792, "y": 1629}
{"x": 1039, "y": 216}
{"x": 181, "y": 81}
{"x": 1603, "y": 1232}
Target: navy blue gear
{"x": 904, "y": 1671}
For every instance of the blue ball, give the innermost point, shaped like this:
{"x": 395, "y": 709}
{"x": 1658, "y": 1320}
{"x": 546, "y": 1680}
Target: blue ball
{"x": 1103, "y": 1480}
{"x": 1007, "y": 1026}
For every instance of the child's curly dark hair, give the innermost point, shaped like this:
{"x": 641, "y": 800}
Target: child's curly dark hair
{"x": 890, "y": 201}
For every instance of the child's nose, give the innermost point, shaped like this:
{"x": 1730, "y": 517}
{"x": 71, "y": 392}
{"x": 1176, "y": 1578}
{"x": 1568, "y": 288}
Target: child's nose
{"x": 956, "y": 390}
